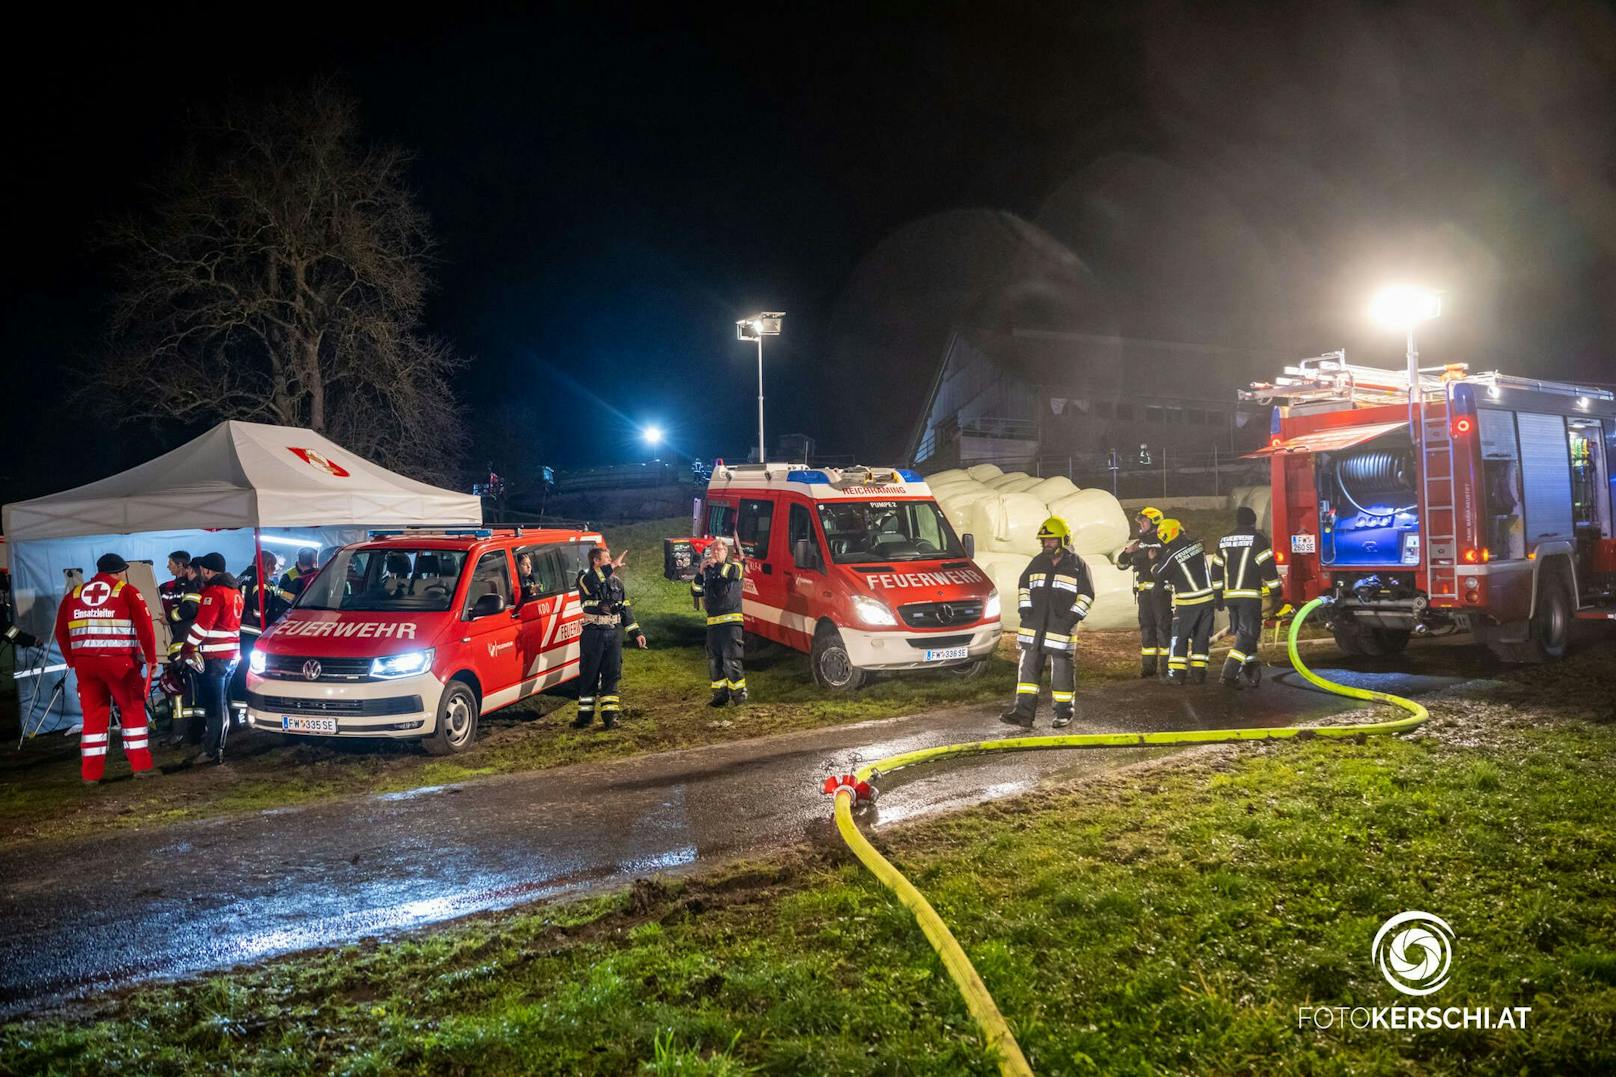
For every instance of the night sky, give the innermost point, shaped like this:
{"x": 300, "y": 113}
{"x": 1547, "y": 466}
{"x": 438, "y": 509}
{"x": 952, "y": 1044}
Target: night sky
{"x": 612, "y": 190}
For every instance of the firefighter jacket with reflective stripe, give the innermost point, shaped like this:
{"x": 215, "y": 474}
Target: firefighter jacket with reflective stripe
{"x": 1244, "y": 566}
{"x": 275, "y": 598}
{"x": 1053, "y": 596}
{"x": 295, "y": 579}
{"x": 718, "y": 587}
{"x": 103, "y": 618}
{"x": 216, "y": 632}
{"x": 1143, "y": 560}
{"x": 1182, "y": 570}
{"x": 180, "y": 609}
{"x": 605, "y": 600}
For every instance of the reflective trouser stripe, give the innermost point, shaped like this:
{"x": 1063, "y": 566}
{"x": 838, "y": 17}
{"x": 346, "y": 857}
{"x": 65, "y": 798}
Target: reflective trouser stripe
{"x": 736, "y": 686}
{"x": 716, "y": 684}
{"x": 1152, "y": 652}
{"x": 1176, "y": 662}
{"x": 720, "y": 619}
{"x": 1025, "y": 689}
{"x": 100, "y": 749}
{"x": 1063, "y": 697}
{"x": 609, "y": 703}
{"x": 1239, "y": 656}
{"x": 1193, "y": 600}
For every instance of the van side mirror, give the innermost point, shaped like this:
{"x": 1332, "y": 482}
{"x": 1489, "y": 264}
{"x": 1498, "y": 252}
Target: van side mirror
{"x": 487, "y": 605}
{"x": 968, "y": 540}
{"x": 804, "y": 554}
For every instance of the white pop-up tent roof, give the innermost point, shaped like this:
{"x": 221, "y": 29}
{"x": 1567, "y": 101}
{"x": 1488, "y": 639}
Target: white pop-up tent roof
{"x": 242, "y": 475}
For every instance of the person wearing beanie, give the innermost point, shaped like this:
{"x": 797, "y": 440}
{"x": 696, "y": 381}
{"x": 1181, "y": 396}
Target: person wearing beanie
{"x": 215, "y": 642}
{"x": 1243, "y": 575}
{"x": 104, "y": 630}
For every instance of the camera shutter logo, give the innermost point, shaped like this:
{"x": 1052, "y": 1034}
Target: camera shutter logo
{"x": 1414, "y": 952}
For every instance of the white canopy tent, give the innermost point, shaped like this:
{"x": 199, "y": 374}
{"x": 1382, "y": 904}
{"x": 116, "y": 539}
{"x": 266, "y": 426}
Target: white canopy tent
{"x": 237, "y": 485}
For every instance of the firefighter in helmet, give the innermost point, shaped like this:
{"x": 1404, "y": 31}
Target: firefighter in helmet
{"x": 1053, "y": 595}
{"x": 104, "y": 631}
{"x": 1182, "y": 570}
{"x": 717, "y": 587}
{"x": 1243, "y": 575}
{"x": 608, "y": 620}
{"x": 1155, "y": 604}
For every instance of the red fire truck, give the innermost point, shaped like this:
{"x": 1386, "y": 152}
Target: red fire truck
{"x": 857, "y": 567}
{"x": 1469, "y": 501}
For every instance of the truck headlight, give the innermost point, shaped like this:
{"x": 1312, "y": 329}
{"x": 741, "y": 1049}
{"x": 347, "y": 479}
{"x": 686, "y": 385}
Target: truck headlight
{"x": 990, "y": 611}
{"x": 407, "y": 664}
{"x": 873, "y": 612}
{"x": 255, "y": 661}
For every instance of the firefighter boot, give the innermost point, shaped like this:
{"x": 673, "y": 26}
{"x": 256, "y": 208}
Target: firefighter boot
{"x": 737, "y": 697}
{"x": 1198, "y": 675}
{"x": 1253, "y": 673}
{"x": 1019, "y": 715}
{"x": 1147, "y": 667}
{"x": 720, "y": 697}
{"x": 1063, "y": 717}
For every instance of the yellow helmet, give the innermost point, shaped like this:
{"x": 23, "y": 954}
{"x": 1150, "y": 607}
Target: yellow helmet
{"x": 1055, "y": 528}
{"x": 1153, "y": 515}
{"x": 1169, "y": 529}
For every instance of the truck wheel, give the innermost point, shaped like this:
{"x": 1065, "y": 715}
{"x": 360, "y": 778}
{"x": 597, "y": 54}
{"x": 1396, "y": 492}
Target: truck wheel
{"x": 1351, "y": 639}
{"x": 970, "y": 671}
{"x": 1551, "y": 624}
{"x": 457, "y": 721}
{"x": 833, "y": 667}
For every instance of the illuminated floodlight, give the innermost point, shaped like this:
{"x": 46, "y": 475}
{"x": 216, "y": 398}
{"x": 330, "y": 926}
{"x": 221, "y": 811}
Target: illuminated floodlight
{"x": 652, "y": 435}
{"x": 1403, "y": 306}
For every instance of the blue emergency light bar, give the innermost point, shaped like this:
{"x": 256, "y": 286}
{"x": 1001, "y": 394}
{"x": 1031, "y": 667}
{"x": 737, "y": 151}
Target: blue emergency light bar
{"x": 456, "y": 532}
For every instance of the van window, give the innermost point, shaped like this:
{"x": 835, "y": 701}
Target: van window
{"x": 492, "y": 577}
{"x": 545, "y": 570}
{"x": 799, "y": 526}
{"x": 720, "y": 520}
{"x": 753, "y": 527}
{"x": 378, "y": 579}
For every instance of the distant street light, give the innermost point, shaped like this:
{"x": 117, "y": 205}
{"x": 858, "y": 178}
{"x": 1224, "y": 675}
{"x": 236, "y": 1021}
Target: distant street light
{"x": 756, "y": 328}
{"x": 653, "y": 435}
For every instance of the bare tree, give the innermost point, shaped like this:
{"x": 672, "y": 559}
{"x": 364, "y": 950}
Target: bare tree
{"x": 280, "y": 277}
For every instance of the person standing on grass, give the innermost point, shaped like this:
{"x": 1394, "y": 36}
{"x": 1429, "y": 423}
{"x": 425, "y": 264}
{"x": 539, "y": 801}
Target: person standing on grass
{"x": 1054, "y": 594}
{"x": 718, "y": 585}
{"x": 608, "y": 620}
{"x": 105, "y": 633}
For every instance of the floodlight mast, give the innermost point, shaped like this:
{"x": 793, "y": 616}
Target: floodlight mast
{"x": 1403, "y": 306}
{"x": 757, "y": 327}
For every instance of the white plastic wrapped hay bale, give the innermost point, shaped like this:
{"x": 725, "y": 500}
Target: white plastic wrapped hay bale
{"x": 1097, "y": 521}
{"x": 984, "y": 472}
{"x": 1262, "y": 503}
{"x": 1007, "y": 523}
{"x": 938, "y": 478}
{"x": 1052, "y": 489}
{"x": 1024, "y": 484}
{"x": 1241, "y": 496}
{"x": 1005, "y": 570}
{"x": 956, "y": 504}
{"x": 1113, "y": 595}
{"x": 999, "y": 482}
{"x": 941, "y": 490}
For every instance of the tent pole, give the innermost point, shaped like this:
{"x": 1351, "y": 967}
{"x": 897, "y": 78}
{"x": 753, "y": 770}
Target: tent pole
{"x": 258, "y": 554}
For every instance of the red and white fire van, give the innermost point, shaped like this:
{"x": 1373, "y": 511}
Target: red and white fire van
{"x": 415, "y": 633}
{"x": 858, "y": 567}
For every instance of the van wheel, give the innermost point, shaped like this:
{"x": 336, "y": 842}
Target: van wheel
{"x": 970, "y": 671}
{"x": 833, "y": 667}
{"x": 457, "y": 721}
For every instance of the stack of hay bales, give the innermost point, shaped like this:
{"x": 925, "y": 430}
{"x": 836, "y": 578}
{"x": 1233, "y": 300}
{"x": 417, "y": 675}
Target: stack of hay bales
{"x": 1004, "y": 510}
{"x": 1260, "y": 499}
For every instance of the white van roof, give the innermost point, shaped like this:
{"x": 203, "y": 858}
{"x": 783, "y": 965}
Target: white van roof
{"x": 821, "y": 484}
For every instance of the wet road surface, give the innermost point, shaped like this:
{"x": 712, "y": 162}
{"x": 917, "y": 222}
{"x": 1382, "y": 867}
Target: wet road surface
{"x": 99, "y": 912}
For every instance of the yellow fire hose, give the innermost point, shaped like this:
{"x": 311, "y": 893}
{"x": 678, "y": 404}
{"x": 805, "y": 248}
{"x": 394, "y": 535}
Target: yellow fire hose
{"x": 995, "y": 1032}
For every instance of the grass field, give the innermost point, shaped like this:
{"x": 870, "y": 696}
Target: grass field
{"x": 1170, "y": 919}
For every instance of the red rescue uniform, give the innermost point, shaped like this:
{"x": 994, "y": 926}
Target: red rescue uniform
{"x": 104, "y": 630}
{"x": 216, "y": 632}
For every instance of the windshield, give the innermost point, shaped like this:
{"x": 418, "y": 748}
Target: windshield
{"x": 379, "y": 580}
{"x": 861, "y": 532}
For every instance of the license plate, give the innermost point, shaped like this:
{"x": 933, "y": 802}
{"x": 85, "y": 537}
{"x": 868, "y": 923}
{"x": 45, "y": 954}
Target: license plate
{"x": 944, "y": 654}
{"x": 1303, "y": 543}
{"x": 307, "y": 725}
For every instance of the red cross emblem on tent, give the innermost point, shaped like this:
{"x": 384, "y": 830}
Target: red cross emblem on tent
{"x": 317, "y": 460}
{"x": 96, "y": 592}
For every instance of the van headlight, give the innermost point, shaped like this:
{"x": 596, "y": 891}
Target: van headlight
{"x": 990, "y": 611}
{"x": 255, "y": 661}
{"x": 407, "y": 664}
{"x": 873, "y": 612}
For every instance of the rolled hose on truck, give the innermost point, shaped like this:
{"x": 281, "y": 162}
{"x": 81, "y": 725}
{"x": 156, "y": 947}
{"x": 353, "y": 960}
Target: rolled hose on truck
{"x": 851, "y": 788}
